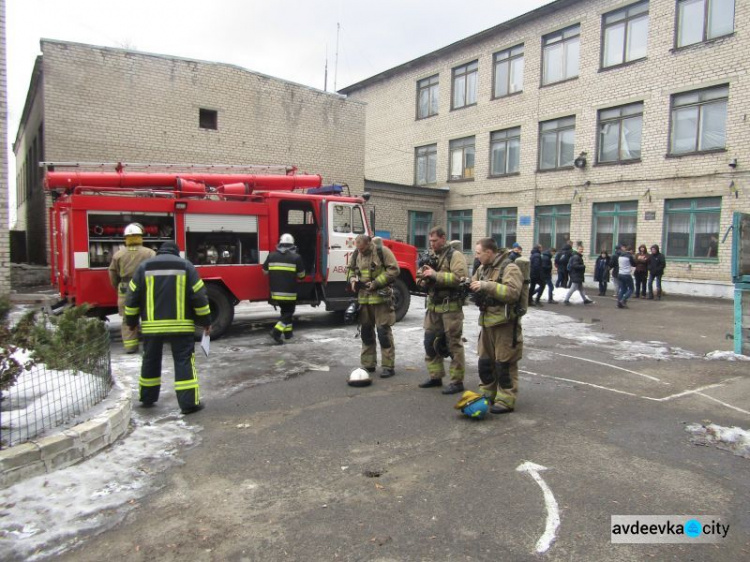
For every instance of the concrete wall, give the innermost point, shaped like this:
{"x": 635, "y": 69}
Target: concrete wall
{"x": 97, "y": 104}
{"x": 393, "y": 132}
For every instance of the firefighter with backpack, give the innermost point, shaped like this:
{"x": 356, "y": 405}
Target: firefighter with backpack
{"x": 371, "y": 271}
{"x": 500, "y": 288}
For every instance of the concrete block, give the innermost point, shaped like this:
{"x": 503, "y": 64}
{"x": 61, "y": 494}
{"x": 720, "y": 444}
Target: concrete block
{"x": 92, "y": 430}
{"x": 64, "y": 459}
{"x": 19, "y": 455}
{"x": 10, "y": 477}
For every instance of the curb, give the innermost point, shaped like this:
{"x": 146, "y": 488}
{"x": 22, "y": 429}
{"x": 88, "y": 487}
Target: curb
{"x": 47, "y": 454}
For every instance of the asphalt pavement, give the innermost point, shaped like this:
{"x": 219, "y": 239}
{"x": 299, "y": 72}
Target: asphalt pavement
{"x": 294, "y": 464}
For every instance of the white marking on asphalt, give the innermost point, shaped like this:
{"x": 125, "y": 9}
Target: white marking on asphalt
{"x": 611, "y": 367}
{"x": 553, "y": 514}
{"x": 697, "y": 391}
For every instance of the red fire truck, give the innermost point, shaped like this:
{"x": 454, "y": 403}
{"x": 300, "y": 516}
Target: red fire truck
{"x": 224, "y": 223}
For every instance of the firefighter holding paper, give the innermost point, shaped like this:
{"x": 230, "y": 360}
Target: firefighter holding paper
{"x": 284, "y": 268}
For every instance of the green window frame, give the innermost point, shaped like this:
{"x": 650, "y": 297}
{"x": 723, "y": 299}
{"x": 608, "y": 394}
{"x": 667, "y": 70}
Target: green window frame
{"x": 691, "y": 229}
{"x": 613, "y": 223}
{"x": 502, "y": 226}
{"x": 459, "y": 228}
{"x": 420, "y": 223}
{"x": 552, "y": 224}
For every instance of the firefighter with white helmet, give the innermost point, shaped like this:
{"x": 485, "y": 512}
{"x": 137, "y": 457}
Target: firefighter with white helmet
{"x": 121, "y": 270}
{"x": 284, "y": 268}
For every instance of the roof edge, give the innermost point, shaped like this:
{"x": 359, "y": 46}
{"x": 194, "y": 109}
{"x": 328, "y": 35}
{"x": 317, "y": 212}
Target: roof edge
{"x": 471, "y": 39}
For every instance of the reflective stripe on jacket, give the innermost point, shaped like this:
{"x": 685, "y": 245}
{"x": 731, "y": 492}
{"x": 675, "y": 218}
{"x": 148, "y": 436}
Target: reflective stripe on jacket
{"x": 367, "y": 267}
{"x": 283, "y": 269}
{"x": 502, "y": 281}
{"x": 442, "y": 295}
{"x": 168, "y": 296}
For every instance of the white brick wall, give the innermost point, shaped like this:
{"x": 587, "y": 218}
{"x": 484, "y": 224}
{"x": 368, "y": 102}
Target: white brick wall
{"x": 110, "y": 105}
{"x": 392, "y": 132}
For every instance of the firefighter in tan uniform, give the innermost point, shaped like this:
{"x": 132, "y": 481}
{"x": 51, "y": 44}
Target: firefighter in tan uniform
{"x": 498, "y": 285}
{"x": 444, "y": 317}
{"x": 121, "y": 270}
{"x": 371, "y": 271}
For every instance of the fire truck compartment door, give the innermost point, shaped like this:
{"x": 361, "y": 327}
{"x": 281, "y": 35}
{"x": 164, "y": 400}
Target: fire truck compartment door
{"x": 219, "y": 223}
{"x": 345, "y": 221}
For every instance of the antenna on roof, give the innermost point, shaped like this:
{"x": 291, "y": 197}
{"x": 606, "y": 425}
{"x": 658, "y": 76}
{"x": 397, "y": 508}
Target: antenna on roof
{"x": 336, "y": 67}
{"x": 325, "y": 74}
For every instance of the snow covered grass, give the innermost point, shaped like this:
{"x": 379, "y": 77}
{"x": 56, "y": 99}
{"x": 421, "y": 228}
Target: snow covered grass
{"x": 43, "y": 399}
{"x": 732, "y": 439}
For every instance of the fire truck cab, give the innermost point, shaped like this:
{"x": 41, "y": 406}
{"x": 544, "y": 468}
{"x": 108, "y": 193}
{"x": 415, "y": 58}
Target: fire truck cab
{"x": 224, "y": 223}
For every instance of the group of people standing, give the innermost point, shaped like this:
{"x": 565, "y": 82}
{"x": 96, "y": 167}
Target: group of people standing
{"x": 631, "y": 274}
{"x": 496, "y": 286}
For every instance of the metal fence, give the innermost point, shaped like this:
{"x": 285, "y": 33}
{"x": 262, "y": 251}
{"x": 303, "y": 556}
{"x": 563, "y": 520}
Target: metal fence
{"x": 44, "y": 398}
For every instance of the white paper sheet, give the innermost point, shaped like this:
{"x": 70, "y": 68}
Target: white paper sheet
{"x": 206, "y": 343}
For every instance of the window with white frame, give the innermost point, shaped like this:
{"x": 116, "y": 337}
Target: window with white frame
{"x": 557, "y": 139}
{"x": 508, "y": 72}
{"x": 428, "y": 91}
{"x": 620, "y": 133}
{"x": 465, "y": 85}
{"x": 699, "y": 120}
{"x": 459, "y": 228}
{"x": 625, "y": 35}
{"x": 614, "y": 223}
{"x": 425, "y": 165}
{"x": 505, "y": 151}
{"x": 462, "y": 159}
{"x": 702, "y": 20}
{"x": 560, "y": 54}
{"x": 501, "y": 225}
{"x": 691, "y": 228}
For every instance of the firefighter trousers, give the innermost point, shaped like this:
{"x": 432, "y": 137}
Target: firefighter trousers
{"x": 377, "y": 319}
{"x": 284, "y": 325}
{"x": 185, "y": 373}
{"x": 451, "y": 324}
{"x": 498, "y": 363}
{"x": 129, "y": 335}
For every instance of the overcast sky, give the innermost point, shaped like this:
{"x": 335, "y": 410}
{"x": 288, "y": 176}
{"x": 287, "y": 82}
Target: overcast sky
{"x": 283, "y": 38}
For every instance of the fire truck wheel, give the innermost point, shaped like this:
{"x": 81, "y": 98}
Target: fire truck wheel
{"x": 402, "y": 298}
{"x": 222, "y": 310}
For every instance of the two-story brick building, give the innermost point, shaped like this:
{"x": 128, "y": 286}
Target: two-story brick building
{"x": 599, "y": 121}
{"x": 95, "y": 104}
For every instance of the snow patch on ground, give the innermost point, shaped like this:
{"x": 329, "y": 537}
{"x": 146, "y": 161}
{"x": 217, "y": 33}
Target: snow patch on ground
{"x": 48, "y": 514}
{"x": 725, "y": 356}
{"x": 733, "y": 439}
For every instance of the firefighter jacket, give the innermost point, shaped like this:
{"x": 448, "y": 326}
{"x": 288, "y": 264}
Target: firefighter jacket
{"x": 442, "y": 293}
{"x": 124, "y": 263}
{"x": 502, "y": 284}
{"x": 168, "y": 295}
{"x": 284, "y": 267}
{"x": 377, "y": 265}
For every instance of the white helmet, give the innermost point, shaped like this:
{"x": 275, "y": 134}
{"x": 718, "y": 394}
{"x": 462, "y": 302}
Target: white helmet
{"x": 134, "y": 229}
{"x": 359, "y": 377}
{"x": 286, "y": 239}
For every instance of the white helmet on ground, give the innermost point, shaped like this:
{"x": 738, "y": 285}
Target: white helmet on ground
{"x": 286, "y": 239}
{"x": 134, "y": 229}
{"x": 359, "y": 377}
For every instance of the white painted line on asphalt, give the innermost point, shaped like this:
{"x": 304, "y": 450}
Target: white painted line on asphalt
{"x": 608, "y": 365}
{"x": 696, "y": 392}
{"x": 553, "y": 514}
{"x": 685, "y": 393}
{"x": 580, "y": 382}
{"x": 724, "y": 403}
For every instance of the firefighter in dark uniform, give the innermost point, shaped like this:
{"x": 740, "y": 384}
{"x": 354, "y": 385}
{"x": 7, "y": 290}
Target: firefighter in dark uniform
{"x": 169, "y": 297}
{"x": 284, "y": 267}
{"x": 498, "y": 286}
{"x": 121, "y": 270}
{"x": 444, "y": 317}
{"x": 371, "y": 271}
